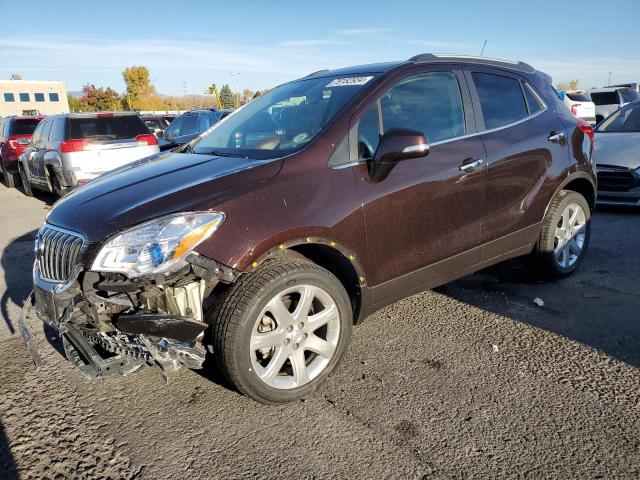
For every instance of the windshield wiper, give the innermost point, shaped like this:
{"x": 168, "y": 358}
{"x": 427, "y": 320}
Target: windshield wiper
{"x": 221, "y": 154}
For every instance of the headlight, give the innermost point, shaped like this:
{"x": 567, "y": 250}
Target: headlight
{"x": 158, "y": 245}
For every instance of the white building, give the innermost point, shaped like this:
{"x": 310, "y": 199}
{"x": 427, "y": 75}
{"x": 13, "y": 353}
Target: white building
{"x": 32, "y": 97}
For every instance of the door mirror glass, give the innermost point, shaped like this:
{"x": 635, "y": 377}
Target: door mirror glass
{"x": 396, "y": 145}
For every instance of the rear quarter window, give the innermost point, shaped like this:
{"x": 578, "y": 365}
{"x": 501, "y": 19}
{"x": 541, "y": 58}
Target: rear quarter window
{"x": 118, "y": 127}
{"x": 501, "y": 99}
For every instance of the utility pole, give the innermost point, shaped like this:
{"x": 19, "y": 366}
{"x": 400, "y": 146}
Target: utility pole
{"x": 483, "y": 45}
{"x": 184, "y": 93}
{"x": 237, "y": 75}
{"x": 609, "y": 78}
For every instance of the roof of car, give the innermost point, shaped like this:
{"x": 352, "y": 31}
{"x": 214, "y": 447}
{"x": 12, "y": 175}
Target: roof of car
{"x": 426, "y": 58}
{"x": 606, "y": 89}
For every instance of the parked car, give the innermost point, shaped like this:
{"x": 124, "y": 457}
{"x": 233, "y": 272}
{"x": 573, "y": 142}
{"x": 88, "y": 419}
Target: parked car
{"x": 617, "y": 155}
{"x": 609, "y": 99}
{"x": 580, "y": 104}
{"x": 188, "y": 126}
{"x": 157, "y": 124}
{"x": 15, "y": 134}
{"x": 71, "y": 149}
{"x": 633, "y": 85}
{"x": 313, "y": 206}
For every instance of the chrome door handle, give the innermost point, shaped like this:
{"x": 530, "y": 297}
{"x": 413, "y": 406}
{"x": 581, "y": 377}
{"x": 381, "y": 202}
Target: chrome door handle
{"x": 556, "y": 137}
{"x": 471, "y": 165}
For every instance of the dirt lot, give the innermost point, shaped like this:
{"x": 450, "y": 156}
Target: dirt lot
{"x": 470, "y": 380}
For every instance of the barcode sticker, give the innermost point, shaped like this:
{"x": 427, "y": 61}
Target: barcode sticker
{"x": 348, "y": 81}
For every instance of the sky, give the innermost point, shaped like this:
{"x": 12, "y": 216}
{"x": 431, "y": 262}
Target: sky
{"x": 270, "y": 42}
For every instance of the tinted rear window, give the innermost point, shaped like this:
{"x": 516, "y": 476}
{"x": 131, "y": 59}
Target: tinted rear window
{"x": 579, "y": 97}
{"x": 501, "y": 99}
{"x": 23, "y": 127}
{"x": 629, "y": 95}
{"x": 605, "y": 98}
{"x": 107, "y": 128}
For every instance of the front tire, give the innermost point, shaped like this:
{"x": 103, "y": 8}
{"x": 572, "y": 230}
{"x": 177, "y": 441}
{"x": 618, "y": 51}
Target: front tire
{"x": 564, "y": 237}
{"x": 279, "y": 332}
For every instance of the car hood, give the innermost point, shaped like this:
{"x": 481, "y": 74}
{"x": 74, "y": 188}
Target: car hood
{"x": 618, "y": 149}
{"x": 162, "y": 184}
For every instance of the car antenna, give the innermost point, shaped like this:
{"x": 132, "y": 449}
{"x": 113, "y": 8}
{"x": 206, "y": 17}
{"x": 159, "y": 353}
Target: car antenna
{"x": 483, "y": 45}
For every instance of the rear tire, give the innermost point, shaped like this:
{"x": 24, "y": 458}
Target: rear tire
{"x": 564, "y": 237}
{"x": 10, "y": 179}
{"x": 26, "y": 186}
{"x": 279, "y": 332}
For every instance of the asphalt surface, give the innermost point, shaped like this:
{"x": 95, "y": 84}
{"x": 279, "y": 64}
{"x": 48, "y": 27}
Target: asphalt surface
{"x": 472, "y": 380}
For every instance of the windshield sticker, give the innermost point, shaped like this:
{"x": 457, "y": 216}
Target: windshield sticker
{"x": 348, "y": 81}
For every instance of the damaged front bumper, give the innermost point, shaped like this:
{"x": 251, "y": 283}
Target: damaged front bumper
{"x": 115, "y": 327}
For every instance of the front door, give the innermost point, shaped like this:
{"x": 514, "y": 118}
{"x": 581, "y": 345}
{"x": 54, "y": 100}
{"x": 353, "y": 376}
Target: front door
{"x": 426, "y": 219}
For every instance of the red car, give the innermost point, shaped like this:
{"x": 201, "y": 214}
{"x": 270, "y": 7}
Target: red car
{"x": 15, "y": 134}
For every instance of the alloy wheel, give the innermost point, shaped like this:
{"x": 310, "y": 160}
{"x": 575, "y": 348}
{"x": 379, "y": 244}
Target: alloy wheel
{"x": 570, "y": 234}
{"x": 295, "y": 337}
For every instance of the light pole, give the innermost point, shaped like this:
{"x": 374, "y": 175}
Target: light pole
{"x": 237, "y": 75}
{"x": 609, "y": 78}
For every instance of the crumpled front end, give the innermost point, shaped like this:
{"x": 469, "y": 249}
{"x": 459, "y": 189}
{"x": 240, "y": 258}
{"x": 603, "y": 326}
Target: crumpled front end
{"x": 110, "y": 324}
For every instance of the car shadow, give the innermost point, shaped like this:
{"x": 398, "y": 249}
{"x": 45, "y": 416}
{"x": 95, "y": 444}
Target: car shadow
{"x": 597, "y": 306}
{"x": 8, "y": 469}
{"x": 17, "y": 261}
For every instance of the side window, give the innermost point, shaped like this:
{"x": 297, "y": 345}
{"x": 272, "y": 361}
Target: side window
{"x": 46, "y": 129}
{"x": 24, "y": 97}
{"x": 9, "y": 97}
{"x": 430, "y": 103}
{"x": 533, "y": 101}
{"x": 54, "y": 97}
{"x": 57, "y": 133}
{"x": 37, "y": 133}
{"x": 39, "y": 97}
{"x": 501, "y": 99}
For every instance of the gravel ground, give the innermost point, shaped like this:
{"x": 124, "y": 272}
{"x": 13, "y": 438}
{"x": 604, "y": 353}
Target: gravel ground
{"x": 470, "y": 380}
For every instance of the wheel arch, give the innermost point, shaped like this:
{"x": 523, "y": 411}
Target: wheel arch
{"x": 329, "y": 254}
{"x": 584, "y": 186}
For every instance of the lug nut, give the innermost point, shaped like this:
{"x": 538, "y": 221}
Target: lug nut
{"x": 295, "y": 346}
{"x": 290, "y": 328}
{"x": 301, "y": 325}
{"x": 287, "y": 341}
{"x": 305, "y": 335}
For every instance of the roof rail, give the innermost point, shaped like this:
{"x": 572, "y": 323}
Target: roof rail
{"x": 325, "y": 70}
{"x": 494, "y": 62}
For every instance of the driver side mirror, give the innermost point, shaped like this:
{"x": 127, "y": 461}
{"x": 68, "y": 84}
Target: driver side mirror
{"x": 396, "y": 145}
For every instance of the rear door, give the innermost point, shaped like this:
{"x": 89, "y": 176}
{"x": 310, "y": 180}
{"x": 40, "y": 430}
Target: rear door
{"x": 526, "y": 153}
{"x": 37, "y": 162}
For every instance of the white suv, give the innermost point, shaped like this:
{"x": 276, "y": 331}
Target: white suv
{"x": 69, "y": 150}
{"x": 610, "y": 99}
{"x": 580, "y": 105}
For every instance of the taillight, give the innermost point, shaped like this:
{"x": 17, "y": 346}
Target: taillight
{"x": 574, "y": 109}
{"x": 147, "y": 139}
{"x": 15, "y": 142}
{"x": 105, "y": 115}
{"x": 587, "y": 129}
{"x": 70, "y": 146}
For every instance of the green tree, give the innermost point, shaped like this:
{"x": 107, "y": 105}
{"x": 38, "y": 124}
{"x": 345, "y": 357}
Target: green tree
{"x": 74, "y": 104}
{"x": 95, "y": 99}
{"x": 226, "y": 97}
{"x": 141, "y": 95}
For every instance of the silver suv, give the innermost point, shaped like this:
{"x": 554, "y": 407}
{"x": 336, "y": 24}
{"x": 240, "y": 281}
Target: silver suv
{"x": 69, "y": 150}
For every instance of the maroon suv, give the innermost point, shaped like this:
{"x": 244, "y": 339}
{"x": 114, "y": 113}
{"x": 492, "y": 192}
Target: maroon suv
{"x": 15, "y": 135}
{"x": 263, "y": 240}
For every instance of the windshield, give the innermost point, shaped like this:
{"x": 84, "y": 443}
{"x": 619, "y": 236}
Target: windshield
{"x": 627, "y": 119}
{"x": 629, "y": 95}
{"x": 283, "y": 120}
{"x": 579, "y": 96}
{"x": 184, "y": 125}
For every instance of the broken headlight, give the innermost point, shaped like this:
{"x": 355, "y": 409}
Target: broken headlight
{"x": 158, "y": 245}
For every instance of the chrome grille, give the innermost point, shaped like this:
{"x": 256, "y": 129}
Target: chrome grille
{"x": 57, "y": 252}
